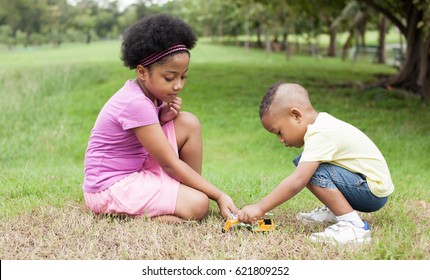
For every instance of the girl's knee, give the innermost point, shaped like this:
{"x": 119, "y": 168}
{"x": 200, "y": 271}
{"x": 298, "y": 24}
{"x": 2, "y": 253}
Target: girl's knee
{"x": 192, "y": 204}
{"x": 197, "y": 208}
{"x": 201, "y": 208}
{"x": 188, "y": 120}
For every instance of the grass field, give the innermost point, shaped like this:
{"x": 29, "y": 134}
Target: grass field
{"x": 49, "y": 99}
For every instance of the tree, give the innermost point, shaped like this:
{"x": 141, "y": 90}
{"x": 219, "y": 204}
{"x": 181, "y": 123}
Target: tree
{"x": 328, "y": 10}
{"x": 354, "y": 19}
{"x": 24, "y": 15}
{"x": 412, "y": 18}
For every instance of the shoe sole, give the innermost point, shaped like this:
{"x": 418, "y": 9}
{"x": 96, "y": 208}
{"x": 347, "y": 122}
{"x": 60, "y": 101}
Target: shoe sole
{"x": 312, "y": 222}
{"x": 365, "y": 240}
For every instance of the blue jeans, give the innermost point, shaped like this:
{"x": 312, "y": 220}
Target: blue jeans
{"x": 352, "y": 185}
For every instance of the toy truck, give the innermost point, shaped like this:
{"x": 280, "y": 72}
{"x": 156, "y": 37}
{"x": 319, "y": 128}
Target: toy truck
{"x": 262, "y": 225}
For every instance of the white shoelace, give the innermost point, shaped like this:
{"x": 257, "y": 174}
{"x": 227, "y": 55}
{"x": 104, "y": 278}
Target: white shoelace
{"x": 320, "y": 209}
{"x": 337, "y": 226}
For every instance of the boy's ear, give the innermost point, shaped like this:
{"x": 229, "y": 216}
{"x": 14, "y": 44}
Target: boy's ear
{"x": 296, "y": 113}
{"x": 142, "y": 72}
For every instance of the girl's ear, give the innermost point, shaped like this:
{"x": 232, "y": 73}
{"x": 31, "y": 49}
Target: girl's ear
{"x": 142, "y": 72}
{"x": 296, "y": 114}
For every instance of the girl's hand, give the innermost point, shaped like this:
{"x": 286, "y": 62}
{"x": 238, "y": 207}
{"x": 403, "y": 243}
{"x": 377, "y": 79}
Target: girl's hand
{"x": 226, "y": 206}
{"x": 250, "y": 214}
{"x": 171, "y": 110}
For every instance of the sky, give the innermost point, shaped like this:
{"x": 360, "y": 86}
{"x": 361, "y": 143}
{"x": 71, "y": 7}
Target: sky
{"x": 122, "y": 4}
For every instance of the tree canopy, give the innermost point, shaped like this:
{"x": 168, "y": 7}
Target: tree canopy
{"x": 37, "y": 22}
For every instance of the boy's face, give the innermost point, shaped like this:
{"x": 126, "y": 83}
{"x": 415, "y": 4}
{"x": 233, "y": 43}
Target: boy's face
{"x": 288, "y": 126}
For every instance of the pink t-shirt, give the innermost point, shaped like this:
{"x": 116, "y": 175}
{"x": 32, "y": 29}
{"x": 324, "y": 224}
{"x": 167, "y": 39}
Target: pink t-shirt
{"x": 113, "y": 150}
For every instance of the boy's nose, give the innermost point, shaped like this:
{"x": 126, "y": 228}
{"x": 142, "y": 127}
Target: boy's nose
{"x": 281, "y": 140}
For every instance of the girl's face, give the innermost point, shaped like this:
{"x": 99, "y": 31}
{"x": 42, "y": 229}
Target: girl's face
{"x": 164, "y": 81}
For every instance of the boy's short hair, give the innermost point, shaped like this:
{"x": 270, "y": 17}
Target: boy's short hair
{"x": 268, "y": 98}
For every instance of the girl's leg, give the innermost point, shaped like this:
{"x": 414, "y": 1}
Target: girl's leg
{"x": 191, "y": 204}
{"x": 189, "y": 139}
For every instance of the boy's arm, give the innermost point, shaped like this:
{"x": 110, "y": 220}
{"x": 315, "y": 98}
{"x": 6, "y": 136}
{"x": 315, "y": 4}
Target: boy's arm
{"x": 288, "y": 188}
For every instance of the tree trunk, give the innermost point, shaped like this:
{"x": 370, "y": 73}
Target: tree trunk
{"x": 348, "y": 44}
{"x": 381, "y": 44}
{"x": 267, "y": 46}
{"x": 221, "y": 30}
{"x": 247, "y": 36}
{"x": 27, "y": 39}
{"x": 285, "y": 45}
{"x": 259, "y": 44}
{"x": 88, "y": 39}
{"x": 331, "y": 51}
{"x": 361, "y": 30}
{"x": 414, "y": 74}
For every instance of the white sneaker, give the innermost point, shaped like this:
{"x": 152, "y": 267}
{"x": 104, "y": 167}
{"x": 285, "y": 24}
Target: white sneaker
{"x": 343, "y": 232}
{"x": 318, "y": 215}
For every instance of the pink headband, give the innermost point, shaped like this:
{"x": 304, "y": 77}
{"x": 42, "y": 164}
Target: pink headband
{"x": 157, "y": 56}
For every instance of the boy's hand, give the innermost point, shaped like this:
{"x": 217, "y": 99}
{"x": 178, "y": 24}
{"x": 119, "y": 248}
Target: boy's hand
{"x": 250, "y": 214}
{"x": 226, "y": 206}
{"x": 171, "y": 110}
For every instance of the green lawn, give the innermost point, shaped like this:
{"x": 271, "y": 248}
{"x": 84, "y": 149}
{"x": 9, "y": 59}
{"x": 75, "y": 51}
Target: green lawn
{"x": 49, "y": 99}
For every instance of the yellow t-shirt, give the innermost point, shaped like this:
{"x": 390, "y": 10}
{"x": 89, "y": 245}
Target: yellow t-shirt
{"x": 331, "y": 140}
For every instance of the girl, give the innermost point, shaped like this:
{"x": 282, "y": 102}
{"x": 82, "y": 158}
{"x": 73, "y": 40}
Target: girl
{"x": 144, "y": 156}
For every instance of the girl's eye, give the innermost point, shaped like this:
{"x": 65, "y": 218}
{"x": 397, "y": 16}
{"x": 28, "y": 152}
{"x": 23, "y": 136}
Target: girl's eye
{"x": 168, "y": 79}
{"x": 184, "y": 77}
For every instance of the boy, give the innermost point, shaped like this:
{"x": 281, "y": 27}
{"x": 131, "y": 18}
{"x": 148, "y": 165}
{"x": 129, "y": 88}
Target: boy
{"x": 339, "y": 164}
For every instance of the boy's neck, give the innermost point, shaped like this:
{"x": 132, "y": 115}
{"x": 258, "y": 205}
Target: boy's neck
{"x": 312, "y": 116}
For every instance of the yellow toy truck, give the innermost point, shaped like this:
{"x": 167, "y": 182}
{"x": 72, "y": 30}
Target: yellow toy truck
{"x": 262, "y": 225}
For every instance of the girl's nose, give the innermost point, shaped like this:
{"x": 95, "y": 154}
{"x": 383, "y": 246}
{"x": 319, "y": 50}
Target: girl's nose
{"x": 178, "y": 86}
{"x": 280, "y": 139}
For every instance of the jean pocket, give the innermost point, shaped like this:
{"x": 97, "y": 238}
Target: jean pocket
{"x": 361, "y": 183}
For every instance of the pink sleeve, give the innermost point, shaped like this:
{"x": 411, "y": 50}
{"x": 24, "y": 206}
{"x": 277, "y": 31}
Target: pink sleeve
{"x": 139, "y": 112}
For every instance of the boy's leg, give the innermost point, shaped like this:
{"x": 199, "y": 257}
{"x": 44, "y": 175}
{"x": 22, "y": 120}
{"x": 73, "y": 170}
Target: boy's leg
{"x": 338, "y": 204}
{"x": 332, "y": 198}
{"x": 342, "y": 191}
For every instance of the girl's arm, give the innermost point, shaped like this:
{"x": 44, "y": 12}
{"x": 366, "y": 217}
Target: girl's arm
{"x": 170, "y": 110}
{"x": 153, "y": 139}
{"x": 288, "y": 188}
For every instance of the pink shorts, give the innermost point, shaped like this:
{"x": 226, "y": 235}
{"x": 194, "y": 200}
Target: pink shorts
{"x": 150, "y": 192}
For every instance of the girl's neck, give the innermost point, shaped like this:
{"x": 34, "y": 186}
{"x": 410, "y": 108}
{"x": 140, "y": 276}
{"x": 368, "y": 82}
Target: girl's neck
{"x": 146, "y": 92}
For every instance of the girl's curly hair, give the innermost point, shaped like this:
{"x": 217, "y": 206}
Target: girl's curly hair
{"x": 154, "y": 34}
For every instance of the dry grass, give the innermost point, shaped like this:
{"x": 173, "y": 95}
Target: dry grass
{"x": 74, "y": 233}
{"x": 42, "y": 215}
